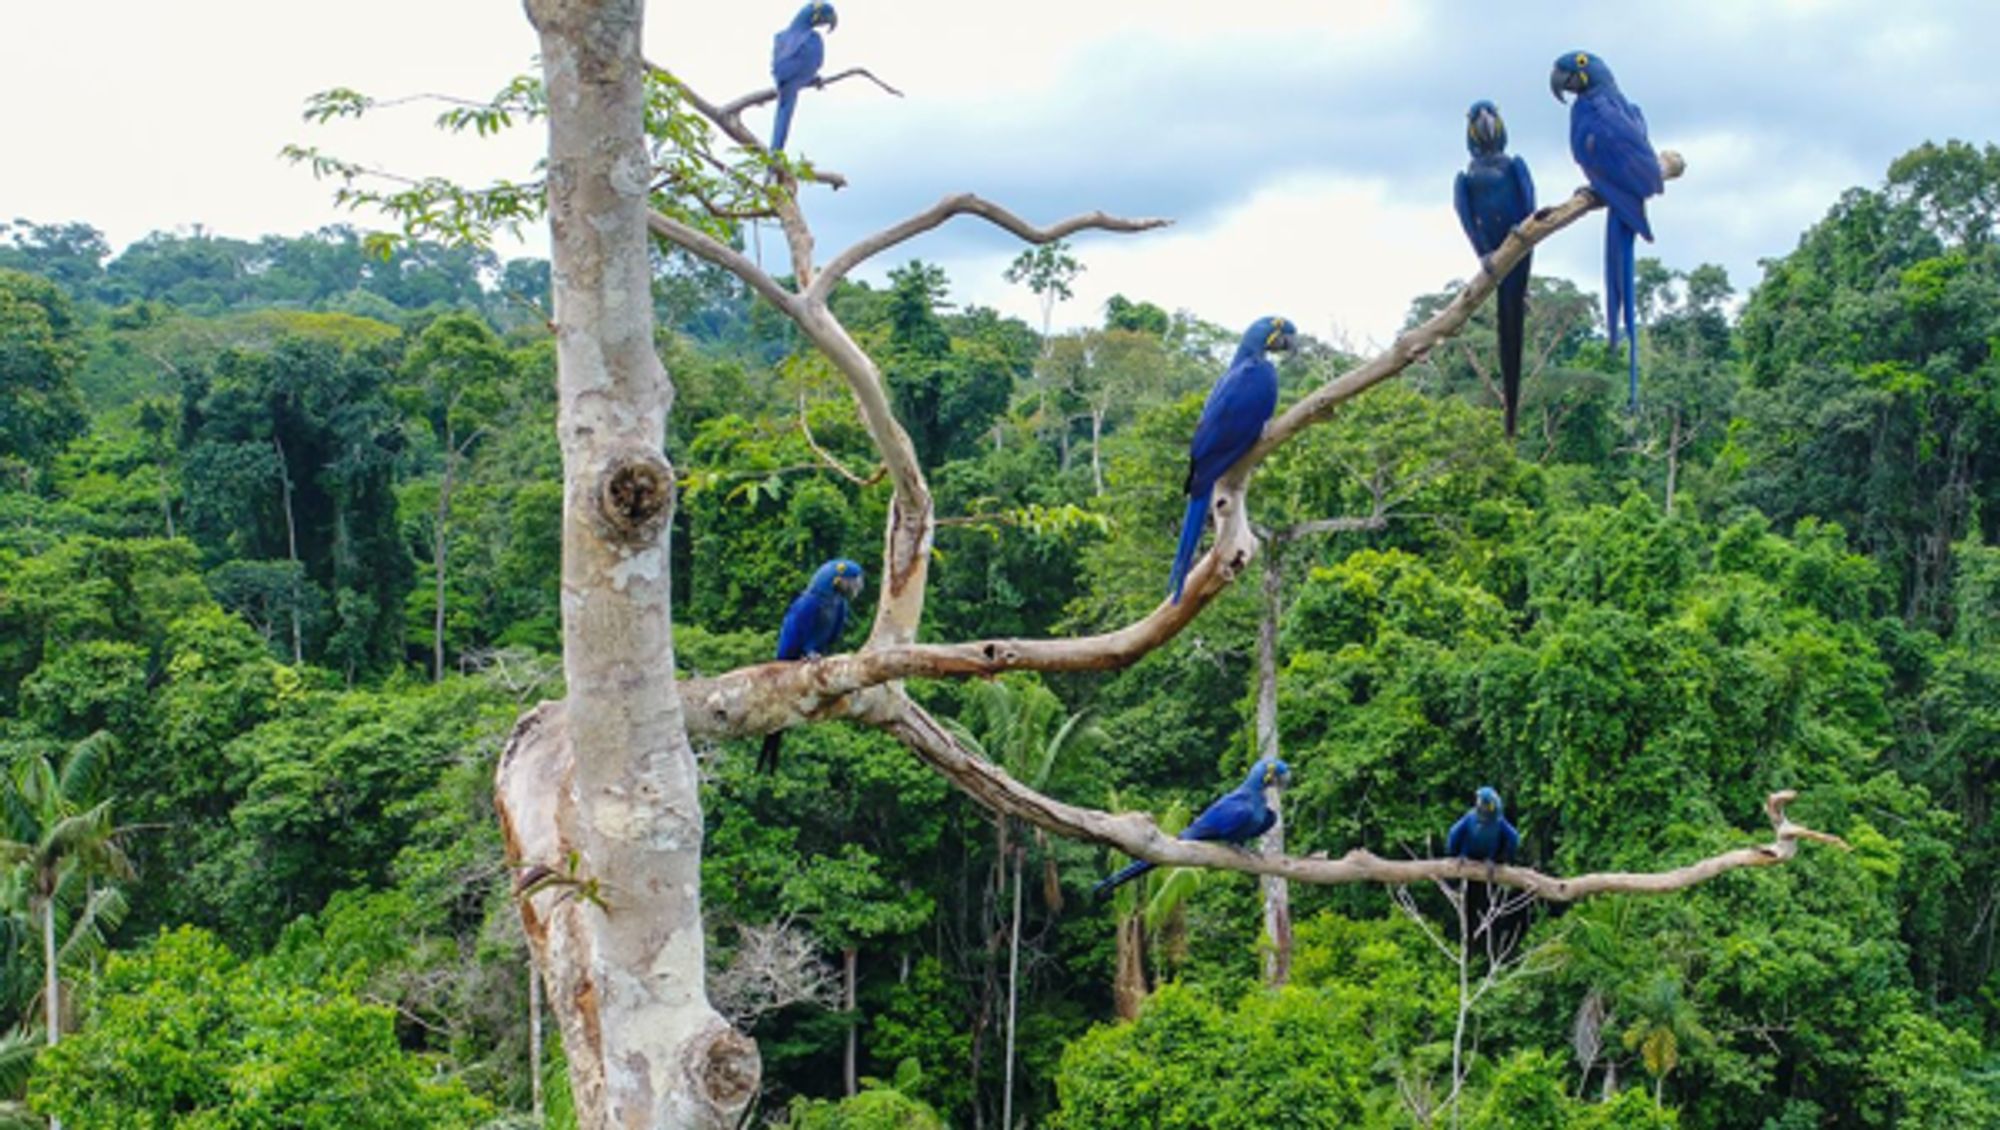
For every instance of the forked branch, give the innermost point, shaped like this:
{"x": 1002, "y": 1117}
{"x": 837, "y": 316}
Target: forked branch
{"x": 770, "y": 93}
{"x": 756, "y": 699}
{"x": 966, "y": 204}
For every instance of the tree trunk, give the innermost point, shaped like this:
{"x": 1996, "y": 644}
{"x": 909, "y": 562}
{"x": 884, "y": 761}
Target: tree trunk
{"x": 535, "y": 1041}
{"x": 1277, "y": 893}
{"x": 1096, "y": 436}
{"x": 51, "y": 982}
{"x": 850, "y": 962}
{"x": 1013, "y": 991}
{"x": 438, "y": 540}
{"x": 1464, "y": 1010}
{"x": 291, "y": 549}
{"x": 1128, "y": 984}
{"x": 600, "y": 792}
{"x": 1673, "y": 458}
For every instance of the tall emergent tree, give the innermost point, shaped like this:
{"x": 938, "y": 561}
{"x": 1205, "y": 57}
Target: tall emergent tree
{"x": 63, "y": 839}
{"x": 598, "y": 794}
{"x": 610, "y": 781}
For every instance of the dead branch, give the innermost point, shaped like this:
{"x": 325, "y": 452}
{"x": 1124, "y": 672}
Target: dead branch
{"x": 827, "y": 458}
{"x": 735, "y": 108}
{"x": 758, "y": 699}
{"x": 1416, "y": 343}
{"x": 704, "y": 246}
{"x": 966, "y": 204}
{"x": 729, "y": 117}
{"x": 1136, "y": 835}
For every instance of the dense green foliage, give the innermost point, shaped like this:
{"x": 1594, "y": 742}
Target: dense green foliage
{"x": 278, "y": 561}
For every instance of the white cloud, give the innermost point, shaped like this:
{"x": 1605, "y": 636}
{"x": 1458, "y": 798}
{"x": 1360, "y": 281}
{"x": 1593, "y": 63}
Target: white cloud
{"x": 1280, "y": 132}
{"x": 1341, "y": 257}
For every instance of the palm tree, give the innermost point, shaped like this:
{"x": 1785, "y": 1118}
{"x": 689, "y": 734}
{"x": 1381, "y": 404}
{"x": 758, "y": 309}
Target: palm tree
{"x": 60, "y": 841}
{"x": 1024, "y": 730}
{"x": 1146, "y": 908}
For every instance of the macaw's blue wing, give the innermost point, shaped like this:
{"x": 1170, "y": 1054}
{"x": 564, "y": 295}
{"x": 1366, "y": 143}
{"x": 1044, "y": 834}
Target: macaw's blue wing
{"x": 796, "y": 57}
{"x": 799, "y": 634}
{"x": 1608, "y": 138}
{"x": 1231, "y": 420}
{"x": 812, "y": 627}
{"x": 1461, "y": 202}
{"x": 1607, "y": 135}
{"x": 1236, "y": 818}
{"x": 1456, "y": 842}
{"x": 1102, "y": 889}
{"x": 1524, "y": 188}
{"x": 1492, "y": 195}
{"x": 838, "y": 627}
{"x": 1510, "y": 841}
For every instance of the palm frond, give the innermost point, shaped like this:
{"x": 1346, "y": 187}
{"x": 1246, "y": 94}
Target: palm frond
{"x": 83, "y": 770}
{"x": 18, "y": 1046}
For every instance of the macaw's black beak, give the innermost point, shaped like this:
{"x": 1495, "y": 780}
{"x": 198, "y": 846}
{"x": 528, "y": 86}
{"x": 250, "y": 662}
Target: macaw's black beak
{"x": 1486, "y": 126}
{"x": 1561, "y": 82}
{"x": 850, "y": 587}
{"x": 1283, "y": 344}
{"x": 832, "y": 21}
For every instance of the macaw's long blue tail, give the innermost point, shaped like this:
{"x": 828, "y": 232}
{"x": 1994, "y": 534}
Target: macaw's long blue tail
{"x": 1513, "y": 320}
{"x": 1620, "y": 299}
{"x": 1191, "y": 528}
{"x": 1121, "y": 877}
{"x": 788, "y": 100}
{"x": 767, "y": 755}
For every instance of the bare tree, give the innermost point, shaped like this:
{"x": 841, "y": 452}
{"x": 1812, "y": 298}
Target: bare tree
{"x": 1483, "y": 940}
{"x": 598, "y": 793}
{"x": 602, "y": 789}
{"x": 775, "y": 966}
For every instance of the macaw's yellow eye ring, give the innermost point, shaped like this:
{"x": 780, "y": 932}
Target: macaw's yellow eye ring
{"x": 1582, "y": 60}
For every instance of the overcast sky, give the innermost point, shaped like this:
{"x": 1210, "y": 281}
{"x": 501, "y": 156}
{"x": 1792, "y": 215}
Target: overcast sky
{"x": 1304, "y": 149}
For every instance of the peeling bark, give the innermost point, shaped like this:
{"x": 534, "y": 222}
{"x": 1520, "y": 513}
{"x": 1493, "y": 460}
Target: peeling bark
{"x": 1277, "y": 893}
{"x": 601, "y": 791}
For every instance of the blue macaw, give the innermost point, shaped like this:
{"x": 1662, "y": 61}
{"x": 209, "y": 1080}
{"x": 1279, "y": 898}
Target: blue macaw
{"x": 1231, "y": 421}
{"x": 796, "y": 55}
{"x": 1483, "y": 832}
{"x": 1493, "y": 194}
{"x": 1607, "y": 135}
{"x": 1237, "y": 817}
{"x": 812, "y": 626}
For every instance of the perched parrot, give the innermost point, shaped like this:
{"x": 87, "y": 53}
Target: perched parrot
{"x": 1607, "y": 135}
{"x": 1483, "y": 832}
{"x": 1231, "y": 421}
{"x": 796, "y": 55}
{"x": 1492, "y": 195}
{"x": 1237, "y": 818}
{"x": 812, "y": 626}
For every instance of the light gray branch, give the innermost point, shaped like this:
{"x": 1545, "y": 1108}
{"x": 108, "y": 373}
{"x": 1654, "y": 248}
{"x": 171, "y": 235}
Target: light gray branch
{"x": 1136, "y": 835}
{"x": 1416, "y": 343}
{"x": 770, "y": 93}
{"x": 758, "y": 699}
{"x": 965, "y": 204}
{"x": 705, "y": 246}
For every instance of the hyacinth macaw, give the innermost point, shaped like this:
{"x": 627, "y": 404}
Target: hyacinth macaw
{"x": 1483, "y": 832}
{"x": 1237, "y": 817}
{"x": 1493, "y": 194}
{"x": 796, "y": 55}
{"x": 812, "y": 626}
{"x": 1231, "y": 421}
{"x": 1607, "y": 136}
